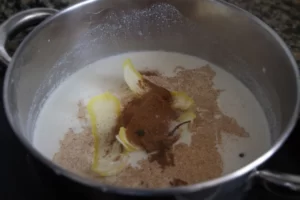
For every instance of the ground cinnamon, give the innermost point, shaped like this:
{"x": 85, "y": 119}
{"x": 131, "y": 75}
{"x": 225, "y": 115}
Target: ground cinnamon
{"x": 147, "y": 119}
{"x": 150, "y": 73}
{"x": 177, "y": 182}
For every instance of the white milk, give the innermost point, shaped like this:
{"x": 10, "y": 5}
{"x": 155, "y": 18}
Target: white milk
{"x": 60, "y": 110}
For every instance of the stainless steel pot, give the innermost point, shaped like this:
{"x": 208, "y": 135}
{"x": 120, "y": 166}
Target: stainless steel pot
{"x": 213, "y": 30}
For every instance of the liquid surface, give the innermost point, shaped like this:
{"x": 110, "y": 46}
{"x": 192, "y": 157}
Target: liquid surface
{"x": 59, "y": 113}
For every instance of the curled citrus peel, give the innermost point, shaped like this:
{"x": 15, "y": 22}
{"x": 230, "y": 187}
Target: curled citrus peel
{"x": 103, "y": 111}
{"x": 181, "y": 100}
{"x": 186, "y": 116}
{"x": 133, "y": 78}
{"x": 182, "y": 123}
{"x": 184, "y": 131}
{"x": 122, "y": 138}
{"x": 135, "y": 82}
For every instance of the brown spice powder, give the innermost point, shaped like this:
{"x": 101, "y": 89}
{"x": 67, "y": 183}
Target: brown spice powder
{"x": 147, "y": 119}
{"x": 198, "y": 162}
{"x": 149, "y": 115}
{"x": 76, "y": 152}
{"x": 177, "y": 182}
{"x": 150, "y": 73}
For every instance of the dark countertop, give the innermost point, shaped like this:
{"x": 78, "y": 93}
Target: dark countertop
{"x": 282, "y": 15}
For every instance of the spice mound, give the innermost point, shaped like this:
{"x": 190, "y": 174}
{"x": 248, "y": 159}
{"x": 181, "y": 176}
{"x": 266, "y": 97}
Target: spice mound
{"x": 146, "y": 121}
{"x": 159, "y": 131}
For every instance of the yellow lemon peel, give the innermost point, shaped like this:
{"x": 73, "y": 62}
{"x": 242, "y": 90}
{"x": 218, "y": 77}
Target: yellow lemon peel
{"x": 133, "y": 78}
{"x": 181, "y": 100}
{"x": 103, "y": 112}
{"x": 184, "y": 117}
{"x": 122, "y": 138}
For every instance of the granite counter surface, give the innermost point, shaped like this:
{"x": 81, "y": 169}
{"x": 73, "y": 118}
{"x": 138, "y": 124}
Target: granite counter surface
{"x": 282, "y": 15}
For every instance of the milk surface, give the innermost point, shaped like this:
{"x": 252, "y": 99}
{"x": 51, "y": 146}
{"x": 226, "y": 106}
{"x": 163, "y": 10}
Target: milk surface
{"x": 60, "y": 110}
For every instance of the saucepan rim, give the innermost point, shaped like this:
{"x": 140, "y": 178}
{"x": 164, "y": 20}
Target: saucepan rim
{"x": 164, "y": 191}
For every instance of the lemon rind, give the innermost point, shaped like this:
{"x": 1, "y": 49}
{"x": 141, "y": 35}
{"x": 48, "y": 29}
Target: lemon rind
{"x": 128, "y": 63}
{"x": 95, "y": 164}
{"x": 135, "y": 86}
{"x": 122, "y": 138}
{"x": 187, "y": 116}
{"x": 189, "y": 101}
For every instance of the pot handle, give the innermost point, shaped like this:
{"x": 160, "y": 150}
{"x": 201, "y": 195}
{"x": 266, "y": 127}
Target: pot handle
{"x": 288, "y": 181}
{"x": 18, "y": 22}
